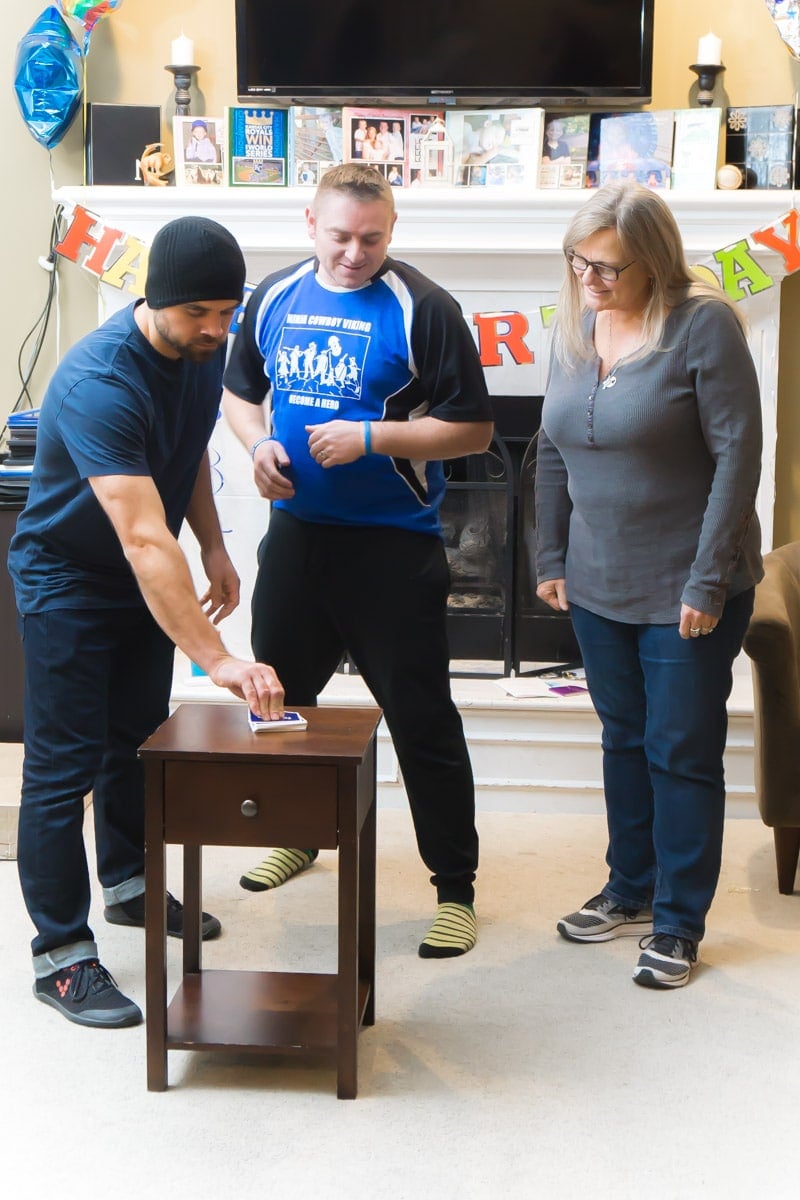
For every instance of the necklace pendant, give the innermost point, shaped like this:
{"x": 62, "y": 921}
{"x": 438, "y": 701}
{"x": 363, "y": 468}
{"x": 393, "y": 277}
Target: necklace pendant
{"x": 609, "y": 382}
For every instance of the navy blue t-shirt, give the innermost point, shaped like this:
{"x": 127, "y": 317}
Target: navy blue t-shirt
{"x": 114, "y": 406}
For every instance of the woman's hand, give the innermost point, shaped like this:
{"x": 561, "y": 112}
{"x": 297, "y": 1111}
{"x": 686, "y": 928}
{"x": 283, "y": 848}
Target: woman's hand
{"x": 694, "y": 623}
{"x": 554, "y": 593}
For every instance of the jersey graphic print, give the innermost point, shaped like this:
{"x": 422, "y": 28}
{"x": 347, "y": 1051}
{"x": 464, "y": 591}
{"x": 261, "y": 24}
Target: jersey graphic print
{"x": 317, "y": 367}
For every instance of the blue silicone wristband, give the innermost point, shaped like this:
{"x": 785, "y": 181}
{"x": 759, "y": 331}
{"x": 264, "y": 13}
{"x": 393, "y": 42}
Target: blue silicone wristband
{"x": 259, "y": 442}
{"x": 367, "y": 437}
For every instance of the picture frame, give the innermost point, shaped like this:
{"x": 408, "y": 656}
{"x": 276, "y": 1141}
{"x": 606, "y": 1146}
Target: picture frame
{"x": 638, "y": 146}
{"x": 375, "y": 135}
{"x": 200, "y": 151}
{"x": 565, "y": 149}
{"x": 257, "y": 146}
{"x": 496, "y": 147}
{"x": 315, "y": 142}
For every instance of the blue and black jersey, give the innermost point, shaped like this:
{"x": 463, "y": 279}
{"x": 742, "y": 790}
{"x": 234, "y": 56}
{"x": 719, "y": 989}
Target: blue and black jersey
{"x": 394, "y": 350}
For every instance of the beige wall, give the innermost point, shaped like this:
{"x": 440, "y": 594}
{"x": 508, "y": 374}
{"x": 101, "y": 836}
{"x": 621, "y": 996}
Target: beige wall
{"x": 125, "y": 65}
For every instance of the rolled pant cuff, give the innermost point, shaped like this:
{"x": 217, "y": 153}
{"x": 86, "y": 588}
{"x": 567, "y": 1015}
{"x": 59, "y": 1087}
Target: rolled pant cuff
{"x": 126, "y": 890}
{"x": 63, "y": 956}
{"x": 456, "y": 894}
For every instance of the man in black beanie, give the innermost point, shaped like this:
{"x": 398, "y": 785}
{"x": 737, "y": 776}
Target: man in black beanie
{"x": 103, "y": 591}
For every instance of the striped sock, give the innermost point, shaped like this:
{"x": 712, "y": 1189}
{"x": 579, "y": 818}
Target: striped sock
{"x": 277, "y": 868}
{"x": 453, "y": 932}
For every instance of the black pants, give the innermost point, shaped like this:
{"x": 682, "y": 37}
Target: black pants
{"x": 380, "y": 594}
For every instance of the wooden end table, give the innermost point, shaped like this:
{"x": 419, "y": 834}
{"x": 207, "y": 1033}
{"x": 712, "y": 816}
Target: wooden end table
{"x": 210, "y": 781}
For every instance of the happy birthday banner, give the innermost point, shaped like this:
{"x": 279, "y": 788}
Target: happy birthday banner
{"x": 119, "y": 260}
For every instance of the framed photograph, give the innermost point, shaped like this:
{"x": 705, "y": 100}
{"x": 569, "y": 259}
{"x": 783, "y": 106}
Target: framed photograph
{"x": 200, "y": 146}
{"x": 496, "y": 147}
{"x": 375, "y": 135}
{"x": 565, "y": 149}
{"x": 257, "y": 146}
{"x": 315, "y": 142}
{"x": 638, "y": 146}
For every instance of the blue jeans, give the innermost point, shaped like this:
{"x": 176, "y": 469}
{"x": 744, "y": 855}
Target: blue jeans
{"x": 97, "y": 683}
{"x": 662, "y": 703}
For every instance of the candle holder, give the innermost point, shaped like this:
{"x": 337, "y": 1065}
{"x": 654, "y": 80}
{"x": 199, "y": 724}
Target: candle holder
{"x": 707, "y": 78}
{"x": 183, "y": 79}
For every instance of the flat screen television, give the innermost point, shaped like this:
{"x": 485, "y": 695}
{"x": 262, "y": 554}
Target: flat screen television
{"x": 584, "y": 52}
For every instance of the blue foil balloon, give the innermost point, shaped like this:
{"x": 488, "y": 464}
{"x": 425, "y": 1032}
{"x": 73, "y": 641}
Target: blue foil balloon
{"x": 47, "y": 79}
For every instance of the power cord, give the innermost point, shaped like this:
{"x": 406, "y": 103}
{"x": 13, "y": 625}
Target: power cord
{"x": 39, "y": 328}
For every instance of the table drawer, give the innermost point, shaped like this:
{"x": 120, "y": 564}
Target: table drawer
{"x": 249, "y": 804}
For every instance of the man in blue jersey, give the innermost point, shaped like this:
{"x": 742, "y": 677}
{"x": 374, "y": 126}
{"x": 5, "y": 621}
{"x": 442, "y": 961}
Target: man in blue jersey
{"x": 350, "y": 454}
{"x": 103, "y": 591}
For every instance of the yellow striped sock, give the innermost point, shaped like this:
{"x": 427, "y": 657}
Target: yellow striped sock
{"x": 454, "y": 931}
{"x": 278, "y": 867}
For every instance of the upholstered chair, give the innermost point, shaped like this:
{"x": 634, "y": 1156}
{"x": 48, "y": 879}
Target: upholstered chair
{"x": 772, "y": 642}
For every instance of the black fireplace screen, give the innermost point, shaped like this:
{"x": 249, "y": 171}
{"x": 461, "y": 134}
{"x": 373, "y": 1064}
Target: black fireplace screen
{"x": 489, "y": 525}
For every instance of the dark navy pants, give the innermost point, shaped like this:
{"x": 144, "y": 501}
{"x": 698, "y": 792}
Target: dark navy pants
{"x": 97, "y": 683}
{"x": 662, "y": 703}
{"x": 381, "y": 595}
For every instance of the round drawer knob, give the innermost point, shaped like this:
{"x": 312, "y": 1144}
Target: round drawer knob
{"x": 249, "y": 808}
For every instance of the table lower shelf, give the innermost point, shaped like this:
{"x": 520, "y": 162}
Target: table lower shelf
{"x": 262, "y": 1012}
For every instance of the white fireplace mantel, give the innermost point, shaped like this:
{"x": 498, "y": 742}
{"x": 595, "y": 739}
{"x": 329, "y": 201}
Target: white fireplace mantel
{"x": 473, "y": 221}
{"x": 496, "y": 250}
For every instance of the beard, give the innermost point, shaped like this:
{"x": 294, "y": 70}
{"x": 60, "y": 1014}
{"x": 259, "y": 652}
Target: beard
{"x": 199, "y": 350}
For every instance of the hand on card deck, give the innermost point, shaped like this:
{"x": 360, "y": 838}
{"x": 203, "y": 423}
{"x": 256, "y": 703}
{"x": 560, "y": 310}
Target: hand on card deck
{"x": 288, "y": 722}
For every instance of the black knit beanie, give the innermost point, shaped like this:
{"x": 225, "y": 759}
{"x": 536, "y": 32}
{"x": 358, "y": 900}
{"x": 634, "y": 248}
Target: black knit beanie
{"x": 193, "y": 258}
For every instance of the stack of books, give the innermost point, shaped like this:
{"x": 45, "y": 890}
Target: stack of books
{"x": 16, "y": 460}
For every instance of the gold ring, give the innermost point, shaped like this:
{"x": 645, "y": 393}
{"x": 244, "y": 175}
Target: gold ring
{"x": 694, "y": 632}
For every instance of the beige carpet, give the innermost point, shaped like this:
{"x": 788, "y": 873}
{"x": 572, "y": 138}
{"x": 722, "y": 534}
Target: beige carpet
{"x": 530, "y": 1068}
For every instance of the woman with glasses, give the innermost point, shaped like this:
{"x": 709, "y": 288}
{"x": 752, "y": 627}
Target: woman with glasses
{"x": 647, "y": 470}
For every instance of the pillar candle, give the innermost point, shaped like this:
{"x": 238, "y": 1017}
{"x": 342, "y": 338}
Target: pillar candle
{"x": 182, "y": 52}
{"x": 709, "y": 51}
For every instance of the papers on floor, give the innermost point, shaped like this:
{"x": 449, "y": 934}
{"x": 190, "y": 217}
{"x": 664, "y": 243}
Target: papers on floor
{"x": 553, "y": 680}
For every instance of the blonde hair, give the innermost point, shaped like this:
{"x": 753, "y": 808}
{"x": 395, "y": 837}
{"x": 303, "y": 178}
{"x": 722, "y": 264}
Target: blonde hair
{"x": 648, "y": 234}
{"x": 359, "y": 180}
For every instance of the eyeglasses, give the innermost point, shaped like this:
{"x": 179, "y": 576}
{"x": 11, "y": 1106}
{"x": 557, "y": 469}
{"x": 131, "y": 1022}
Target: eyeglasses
{"x": 603, "y": 271}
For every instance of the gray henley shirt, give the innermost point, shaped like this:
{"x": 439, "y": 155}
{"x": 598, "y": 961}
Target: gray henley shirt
{"x": 645, "y": 487}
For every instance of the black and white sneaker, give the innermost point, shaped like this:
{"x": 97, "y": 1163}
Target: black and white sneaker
{"x": 665, "y": 961}
{"x": 602, "y": 919}
{"x": 87, "y": 994}
{"x": 131, "y": 912}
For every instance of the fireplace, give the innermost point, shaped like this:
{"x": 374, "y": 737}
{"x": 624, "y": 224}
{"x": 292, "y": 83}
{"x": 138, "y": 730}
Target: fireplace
{"x": 498, "y": 251}
{"x": 489, "y": 526}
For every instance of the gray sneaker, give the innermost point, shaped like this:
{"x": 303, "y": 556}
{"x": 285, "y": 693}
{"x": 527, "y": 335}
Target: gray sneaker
{"x": 602, "y": 919}
{"x": 665, "y": 961}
